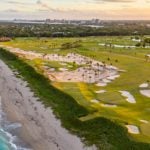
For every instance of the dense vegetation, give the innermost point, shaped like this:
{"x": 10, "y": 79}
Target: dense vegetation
{"x": 105, "y": 134}
{"x": 115, "y": 28}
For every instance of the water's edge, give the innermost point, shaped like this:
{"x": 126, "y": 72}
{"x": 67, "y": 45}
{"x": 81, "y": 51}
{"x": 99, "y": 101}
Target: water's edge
{"x": 9, "y": 139}
{"x": 37, "y": 125}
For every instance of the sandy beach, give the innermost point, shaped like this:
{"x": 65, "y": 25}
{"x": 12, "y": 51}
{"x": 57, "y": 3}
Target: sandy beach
{"x": 40, "y": 129}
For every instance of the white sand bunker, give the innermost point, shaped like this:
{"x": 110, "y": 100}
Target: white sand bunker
{"x": 144, "y": 121}
{"x": 63, "y": 69}
{"x": 52, "y": 69}
{"x": 133, "y": 129}
{"x": 113, "y": 77}
{"x": 63, "y": 64}
{"x": 129, "y": 97}
{"x": 144, "y": 85}
{"x": 94, "y": 101}
{"x": 100, "y": 91}
{"x": 101, "y": 84}
{"x": 145, "y": 93}
{"x": 109, "y": 105}
{"x": 106, "y": 81}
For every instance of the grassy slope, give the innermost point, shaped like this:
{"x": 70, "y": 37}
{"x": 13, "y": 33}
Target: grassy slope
{"x": 105, "y": 134}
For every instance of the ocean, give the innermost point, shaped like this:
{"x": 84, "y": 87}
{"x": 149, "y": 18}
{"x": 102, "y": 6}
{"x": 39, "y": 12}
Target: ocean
{"x": 9, "y": 139}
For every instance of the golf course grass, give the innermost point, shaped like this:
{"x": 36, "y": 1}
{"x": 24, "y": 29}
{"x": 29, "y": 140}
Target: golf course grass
{"x": 87, "y": 118}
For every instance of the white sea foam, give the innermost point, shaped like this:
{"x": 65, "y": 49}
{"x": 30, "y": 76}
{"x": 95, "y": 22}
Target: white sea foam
{"x": 13, "y": 126}
{"x": 4, "y": 129}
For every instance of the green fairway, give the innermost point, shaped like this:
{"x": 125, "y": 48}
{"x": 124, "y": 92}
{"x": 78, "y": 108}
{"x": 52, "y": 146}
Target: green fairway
{"x": 131, "y": 60}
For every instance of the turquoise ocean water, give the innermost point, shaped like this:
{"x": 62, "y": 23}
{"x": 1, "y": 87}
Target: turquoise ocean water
{"x": 9, "y": 139}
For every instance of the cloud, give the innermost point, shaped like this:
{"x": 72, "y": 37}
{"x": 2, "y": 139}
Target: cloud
{"x": 11, "y": 10}
{"x": 47, "y": 8}
{"x": 85, "y": 9}
{"x": 18, "y": 3}
{"x": 44, "y": 5}
{"x": 114, "y": 1}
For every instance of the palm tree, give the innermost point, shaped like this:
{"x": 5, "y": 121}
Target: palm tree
{"x": 148, "y": 81}
{"x": 147, "y": 58}
{"x": 96, "y": 75}
{"x": 83, "y": 76}
{"x": 90, "y": 79}
{"x": 98, "y": 65}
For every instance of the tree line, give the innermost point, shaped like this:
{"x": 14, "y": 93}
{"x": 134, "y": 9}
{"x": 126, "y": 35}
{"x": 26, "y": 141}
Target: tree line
{"x": 45, "y": 30}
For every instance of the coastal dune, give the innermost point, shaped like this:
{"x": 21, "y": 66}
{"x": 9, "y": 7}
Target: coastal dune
{"x": 39, "y": 127}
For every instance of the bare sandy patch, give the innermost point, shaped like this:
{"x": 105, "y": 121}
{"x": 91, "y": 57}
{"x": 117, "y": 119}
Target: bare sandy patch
{"x": 128, "y": 96}
{"x": 93, "y": 72}
{"x": 144, "y": 85}
{"x": 145, "y": 93}
{"x": 133, "y": 129}
{"x": 63, "y": 69}
{"x": 94, "y": 101}
{"x": 101, "y": 84}
{"x": 100, "y": 91}
{"x": 144, "y": 121}
{"x": 109, "y": 105}
{"x": 113, "y": 77}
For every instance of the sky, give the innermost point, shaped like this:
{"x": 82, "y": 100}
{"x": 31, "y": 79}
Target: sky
{"x": 75, "y": 9}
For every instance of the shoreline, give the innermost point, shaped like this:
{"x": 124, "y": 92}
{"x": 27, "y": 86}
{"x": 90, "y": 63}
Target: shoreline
{"x": 40, "y": 129}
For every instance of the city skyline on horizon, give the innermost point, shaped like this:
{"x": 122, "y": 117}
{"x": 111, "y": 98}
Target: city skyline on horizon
{"x": 75, "y": 9}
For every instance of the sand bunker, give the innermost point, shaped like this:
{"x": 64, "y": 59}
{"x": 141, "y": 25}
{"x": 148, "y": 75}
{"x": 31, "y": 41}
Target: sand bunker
{"x": 100, "y": 91}
{"x": 116, "y": 45}
{"x": 63, "y": 64}
{"x": 51, "y": 69}
{"x": 136, "y": 40}
{"x": 94, "y": 101}
{"x": 109, "y": 105}
{"x": 144, "y": 121}
{"x": 63, "y": 69}
{"x": 144, "y": 85}
{"x": 101, "y": 84}
{"x": 133, "y": 129}
{"x": 106, "y": 81}
{"x": 113, "y": 77}
{"x": 145, "y": 93}
{"x": 129, "y": 97}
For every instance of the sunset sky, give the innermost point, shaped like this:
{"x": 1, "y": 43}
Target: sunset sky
{"x": 75, "y": 9}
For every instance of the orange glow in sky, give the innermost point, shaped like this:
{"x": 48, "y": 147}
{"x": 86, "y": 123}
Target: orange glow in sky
{"x": 75, "y": 9}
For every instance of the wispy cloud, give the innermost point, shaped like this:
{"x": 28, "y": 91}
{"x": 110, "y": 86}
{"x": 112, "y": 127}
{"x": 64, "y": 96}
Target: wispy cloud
{"x": 41, "y": 3}
{"x": 46, "y": 7}
{"x": 120, "y": 1}
{"x": 14, "y": 2}
{"x": 11, "y": 10}
{"x": 76, "y": 8}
